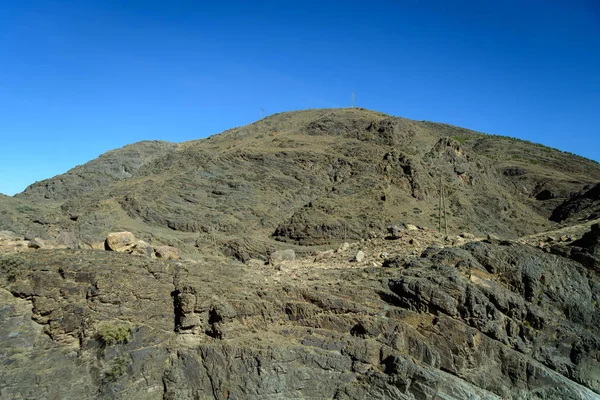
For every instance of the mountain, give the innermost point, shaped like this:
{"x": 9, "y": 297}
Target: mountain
{"x": 312, "y": 267}
{"x": 310, "y": 177}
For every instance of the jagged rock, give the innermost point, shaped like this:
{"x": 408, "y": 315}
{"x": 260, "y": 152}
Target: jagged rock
{"x": 359, "y": 256}
{"x": 167, "y": 252}
{"x": 122, "y": 242}
{"x": 282, "y": 255}
{"x": 485, "y": 320}
{"x": 394, "y": 262}
{"x": 411, "y": 227}
{"x": 394, "y": 232}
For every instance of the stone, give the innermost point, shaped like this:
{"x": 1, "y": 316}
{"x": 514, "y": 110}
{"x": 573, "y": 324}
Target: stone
{"x": 467, "y": 235}
{"x": 414, "y": 242}
{"x": 394, "y": 262}
{"x": 143, "y": 249}
{"x": 167, "y": 252}
{"x": 492, "y": 237}
{"x": 384, "y": 255}
{"x": 360, "y": 256}
{"x": 323, "y": 255}
{"x": 394, "y": 232}
{"x": 282, "y": 255}
{"x": 36, "y": 243}
{"x": 411, "y": 227}
{"x": 343, "y": 247}
{"x": 122, "y": 242}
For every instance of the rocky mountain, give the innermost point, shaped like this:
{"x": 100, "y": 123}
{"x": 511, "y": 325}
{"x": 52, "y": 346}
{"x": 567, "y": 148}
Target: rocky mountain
{"x": 312, "y": 267}
{"x": 311, "y": 177}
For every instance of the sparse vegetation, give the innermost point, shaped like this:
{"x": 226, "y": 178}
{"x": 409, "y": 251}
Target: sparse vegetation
{"x": 110, "y": 333}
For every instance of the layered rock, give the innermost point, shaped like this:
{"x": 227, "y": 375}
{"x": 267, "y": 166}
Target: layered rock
{"x": 485, "y": 321}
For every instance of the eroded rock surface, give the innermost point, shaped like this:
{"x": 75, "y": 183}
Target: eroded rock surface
{"x": 483, "y": 321}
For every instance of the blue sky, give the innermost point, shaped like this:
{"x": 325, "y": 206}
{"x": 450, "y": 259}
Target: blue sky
{"x": 78, "y": 78}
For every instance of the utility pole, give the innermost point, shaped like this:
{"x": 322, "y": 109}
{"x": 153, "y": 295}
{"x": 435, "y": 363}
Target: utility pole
{"x": 442, "y": 204}
{"x": 352, "y": 100}
{"x": 262, "y": 113}
{"x": 440, "y": 208}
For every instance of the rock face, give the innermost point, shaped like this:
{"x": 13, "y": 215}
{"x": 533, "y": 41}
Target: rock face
{"x": 583, "y": 205}
{"x": 484, "y": 321}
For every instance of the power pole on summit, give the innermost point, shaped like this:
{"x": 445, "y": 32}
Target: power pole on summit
{"x": 262, "y": 113}
{"x": 352, "y": 100}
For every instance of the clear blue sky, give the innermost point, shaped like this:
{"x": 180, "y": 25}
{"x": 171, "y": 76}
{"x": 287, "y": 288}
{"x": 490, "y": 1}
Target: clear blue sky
{"x": 78, "y": 78}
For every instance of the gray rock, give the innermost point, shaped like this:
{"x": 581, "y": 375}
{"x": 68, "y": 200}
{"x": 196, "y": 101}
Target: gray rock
{"x": 360, "y": 256}
{"x": 282, "y": 255}
{"x": 36, "y": 243}
{"x": 394, "y": 231}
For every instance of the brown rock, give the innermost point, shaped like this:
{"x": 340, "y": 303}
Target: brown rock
{"x": 36, "y": 243}
{"x": 142, "y": 249}
{"x": 167, "y": 253}
{"x": 322, "y": 255}
{"x": 122, "y": 242}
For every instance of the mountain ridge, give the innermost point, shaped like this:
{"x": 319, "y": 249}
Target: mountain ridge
{"x": 296, "y": 177}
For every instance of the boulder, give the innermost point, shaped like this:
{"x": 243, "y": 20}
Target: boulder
{"x": 122, "y": 242}
{"x": 282, "y": 255}
{"x": 323, "y": 255}
{"x": 167, "y": 253}
{"x": 36, "y": 243}
{"x": 394, "y": 231}
{"x": 359, "y": 256}
{"x": 467, "y": 235}
{"x": 143, "y": 249}
{"x": 343, "y": 247}
{"x": 410, "y": 227}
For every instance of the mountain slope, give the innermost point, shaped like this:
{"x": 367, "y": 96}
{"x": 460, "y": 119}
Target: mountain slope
{"x": 314, "y": 177}
{"x": 414, "y": 316}
{"x": 110, "y": 167}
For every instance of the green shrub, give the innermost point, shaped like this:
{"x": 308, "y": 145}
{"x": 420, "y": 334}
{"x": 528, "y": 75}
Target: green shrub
{"x": 111, "y": 333}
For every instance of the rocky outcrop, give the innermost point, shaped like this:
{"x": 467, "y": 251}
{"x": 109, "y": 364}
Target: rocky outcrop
{"x": 484, "y": 321}
{"x": 584, "y": 205}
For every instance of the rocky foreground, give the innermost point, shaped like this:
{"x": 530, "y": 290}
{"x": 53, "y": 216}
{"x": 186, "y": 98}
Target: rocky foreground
{"x": 405, "y": 320}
